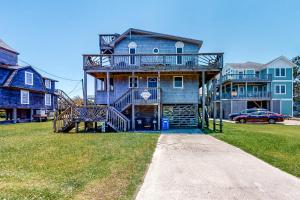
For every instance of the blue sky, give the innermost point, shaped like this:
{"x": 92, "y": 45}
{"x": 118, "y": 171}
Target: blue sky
{"x": 53, "y": 35}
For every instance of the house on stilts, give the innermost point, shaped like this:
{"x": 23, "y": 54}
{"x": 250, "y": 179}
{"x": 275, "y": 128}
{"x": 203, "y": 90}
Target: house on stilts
{"x": 142, "y": 78}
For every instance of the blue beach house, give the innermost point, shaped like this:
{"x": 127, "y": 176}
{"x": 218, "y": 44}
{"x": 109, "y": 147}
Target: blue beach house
{"x": 24, "y": 93}
{"x": 256, "y": 85}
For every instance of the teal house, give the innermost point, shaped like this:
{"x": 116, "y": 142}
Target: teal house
{"x": 255, "y": 85}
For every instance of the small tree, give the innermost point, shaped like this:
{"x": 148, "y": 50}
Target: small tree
{"x": 296, "y": 74}
{"x": 78, "y": 100}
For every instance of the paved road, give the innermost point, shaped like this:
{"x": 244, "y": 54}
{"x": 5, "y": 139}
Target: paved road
{"x": 202, "y": 167}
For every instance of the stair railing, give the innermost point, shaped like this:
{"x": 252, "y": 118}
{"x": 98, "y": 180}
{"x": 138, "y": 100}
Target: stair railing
{"x": 123, "y": 101}
{"x": 117, "y": 120}
{"x": 63, "y": 120}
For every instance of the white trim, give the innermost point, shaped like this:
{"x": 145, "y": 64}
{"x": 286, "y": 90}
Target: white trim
{"x": 280, "y": 85}
{"x": 179, "y": 44}
{"x": 174, "y": 82}
{"x": 21, "y": 96}
{"x": 137, "y": 81}
{"x": 157, "y": 50}
{"x": 132, "y": 45}
{"x": 132, "y": 55}
{"x": 280, "y": 68}
{"x": 48, "y": 81}
{"x": 152, "y": 77}
{"x": 282, "y": 81}
{"x": 283, "y": 99}
{"x": 97, "y": 88}
{"x": 49, "y": 95}
{"x": 26, "y": 81}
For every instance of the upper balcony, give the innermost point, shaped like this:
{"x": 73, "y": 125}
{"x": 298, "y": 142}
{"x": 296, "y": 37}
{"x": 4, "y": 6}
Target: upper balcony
{"x": 247, "y": 77}
{"x": 152, "y": 62}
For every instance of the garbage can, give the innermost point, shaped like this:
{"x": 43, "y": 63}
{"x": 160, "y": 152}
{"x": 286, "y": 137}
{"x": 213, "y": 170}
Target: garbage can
{"x": 165, "y": 123}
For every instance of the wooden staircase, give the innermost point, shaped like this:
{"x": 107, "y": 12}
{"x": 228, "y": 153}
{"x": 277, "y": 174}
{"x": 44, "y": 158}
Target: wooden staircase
{"x": 73, "y": 114}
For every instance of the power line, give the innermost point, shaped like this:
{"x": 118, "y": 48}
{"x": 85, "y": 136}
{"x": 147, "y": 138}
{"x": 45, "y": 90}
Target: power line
{"x": 48, "y": 72}
{"x": 75, "y": 87}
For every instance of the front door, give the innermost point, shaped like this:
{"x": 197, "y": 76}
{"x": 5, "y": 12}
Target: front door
{"x": 152, "y": 85}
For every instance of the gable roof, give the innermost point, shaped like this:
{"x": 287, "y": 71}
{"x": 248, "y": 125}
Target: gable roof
{"x": 5, "y": 46}
{"x": 283, "y": 58}
{"x": 252, "y": 65}
{"x": 258, "y": 66}
{"x": 157, "y": 35}
{"x": 15, "y": 70}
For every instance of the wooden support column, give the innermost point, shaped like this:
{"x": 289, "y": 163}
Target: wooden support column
{"x": 231, "y": 87}
{"x": 246, "y": 89}
{"x": 203, "y": 100}
{"x": 107, "y": 89}
{"x": 85, "y": 88}
{"x": 14, "y": 115}
{"x": 214, "y": 98}
{"x": 76, "y": 127}
{"x": 159, "y": 102}
{"x": 221, "y": 104}
{"x": 31, "y": 115}
{"x": 132, "y": 104}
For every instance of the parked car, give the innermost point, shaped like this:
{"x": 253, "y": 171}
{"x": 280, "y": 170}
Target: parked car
{"x": 261, "y": 116}
{"x": 245, "y": 112}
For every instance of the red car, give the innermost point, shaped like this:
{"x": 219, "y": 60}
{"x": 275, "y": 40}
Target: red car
{"x": 262, "y": 116}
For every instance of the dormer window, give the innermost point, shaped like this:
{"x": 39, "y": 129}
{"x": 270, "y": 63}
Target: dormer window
{"x": 179, "y": 50}
{"x": 48, "y": 84}
{"x": 132, "y": 50}
{"x": 28, "y": 78}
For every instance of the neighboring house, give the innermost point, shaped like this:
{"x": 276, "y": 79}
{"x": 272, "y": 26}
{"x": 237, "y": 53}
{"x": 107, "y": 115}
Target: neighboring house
{"x": 142, "y": 77}
{"x": 255, "y": 85}
{"x": 23, "y": 91}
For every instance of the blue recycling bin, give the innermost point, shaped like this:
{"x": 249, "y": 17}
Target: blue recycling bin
{"x": 165, "y": 124}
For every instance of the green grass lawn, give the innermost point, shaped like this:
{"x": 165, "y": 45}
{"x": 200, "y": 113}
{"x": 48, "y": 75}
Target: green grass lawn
{"x": 36, "y": 163}
{"x": 278, "y": 145}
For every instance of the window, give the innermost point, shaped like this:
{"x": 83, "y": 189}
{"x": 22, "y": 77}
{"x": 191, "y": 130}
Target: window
{"x": 152, "y": 82}
{"x": 28, "y": 78}
{"x": 48, "y": 84}
{"x": 279, "y": 72}
{"x": 24, "y": 97}
{"x": 280, "y": 89}
{"x": 131, "y": 80}
{"x": 177, "y": 82}
{"x": 155, "y": 50}
{"x": 179, "y": 50}
{"x": 48, "y": 99}
{"x": 132, "y": 50}
{"x": 111, "y": 84}
{"x": 241, "y": 90}
{"x": 255, "y": 89}
{"x": 100, "y": 84}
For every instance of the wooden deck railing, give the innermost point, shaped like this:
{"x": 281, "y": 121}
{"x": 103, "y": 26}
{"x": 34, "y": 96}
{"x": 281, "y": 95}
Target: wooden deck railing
{"x": 247, "y": 77}
{"x": 152, "y": 61}
{"x": 249, "y": 95}
{"x": 90, "y": 113}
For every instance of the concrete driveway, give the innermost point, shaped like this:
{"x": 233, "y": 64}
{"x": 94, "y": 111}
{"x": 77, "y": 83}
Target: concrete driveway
{"x": 202, "y": 167}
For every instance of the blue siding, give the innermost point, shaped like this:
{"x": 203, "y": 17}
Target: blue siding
{"x": 11, "y": 99}
{"x": 147, "y": 44}
{"x": 8, "y": 58}
{"x": 287, "y": 107}
{"x": 19, "y": 80}
{"x": 289, "y": 74}
{"x": 4, "y": 73}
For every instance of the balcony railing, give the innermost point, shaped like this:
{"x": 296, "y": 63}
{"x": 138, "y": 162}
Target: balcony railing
{"x": 249, "y": 95}
{"x": 247, "y": 77}
{"x": 152, "y": 61}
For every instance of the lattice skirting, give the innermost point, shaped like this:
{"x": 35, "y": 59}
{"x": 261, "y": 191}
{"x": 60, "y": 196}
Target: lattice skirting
{"x": 181, "y": 115}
